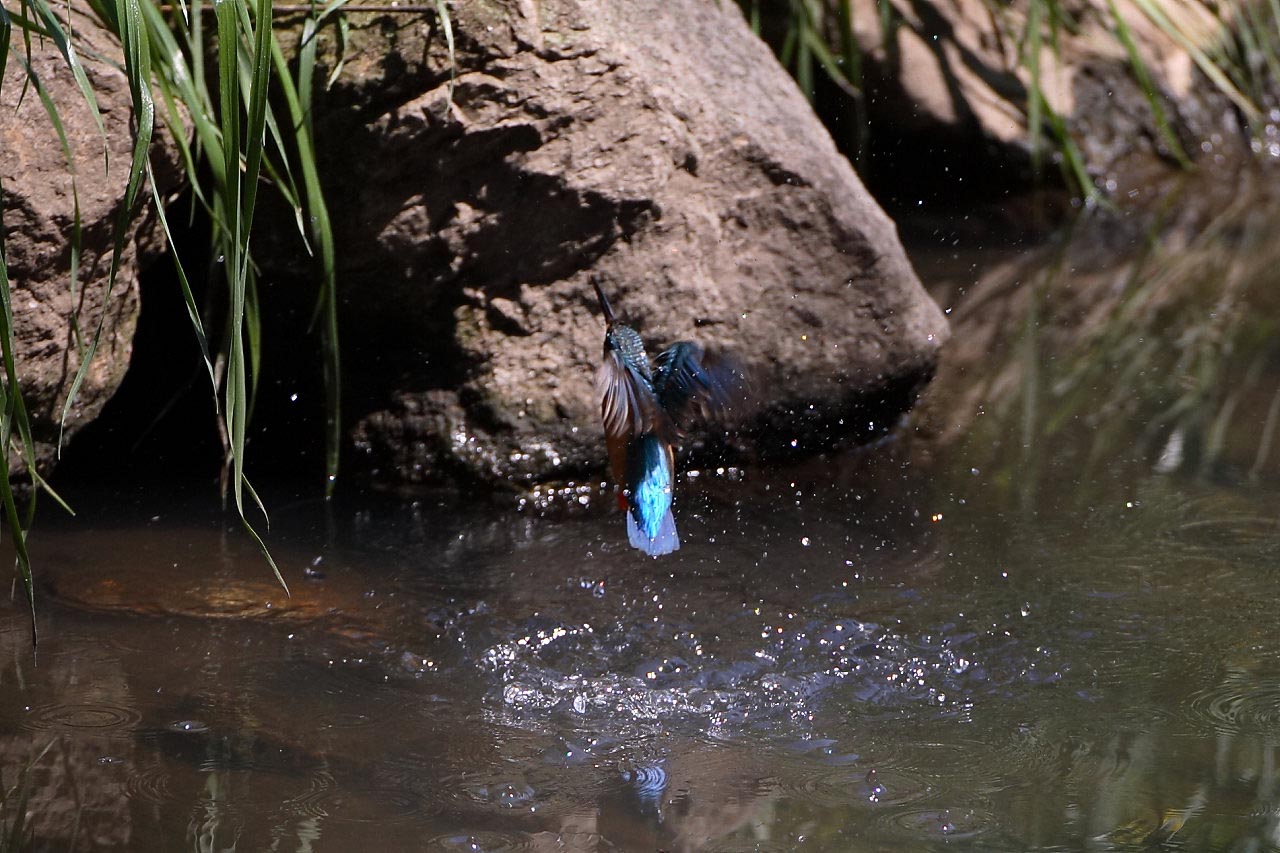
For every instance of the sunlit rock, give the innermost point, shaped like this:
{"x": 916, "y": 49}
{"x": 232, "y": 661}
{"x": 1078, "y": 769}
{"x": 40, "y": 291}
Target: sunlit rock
{"x": 54, "y": 316}
{"x": 657, "y": 145}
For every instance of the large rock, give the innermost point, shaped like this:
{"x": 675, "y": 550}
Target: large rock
{"x": 656, "y": 144}
{"x": 39, "y": 217}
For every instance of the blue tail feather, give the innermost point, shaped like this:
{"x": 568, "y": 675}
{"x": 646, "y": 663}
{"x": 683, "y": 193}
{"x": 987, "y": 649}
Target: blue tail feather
{"x": 650, "y": 525}
{"x": 664, "y": 541}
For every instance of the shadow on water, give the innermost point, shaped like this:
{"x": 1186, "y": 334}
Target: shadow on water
{"x": 1058, "y": 634}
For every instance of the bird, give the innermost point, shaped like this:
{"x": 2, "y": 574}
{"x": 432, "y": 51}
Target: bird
{"x": 645, "y": 409}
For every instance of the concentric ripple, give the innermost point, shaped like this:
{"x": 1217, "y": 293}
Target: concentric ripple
{"x": 150, "y": 783}
{"x": 481, "y": 842}
{"x": 941, "y": 824}
{"x": 1242, "y": 703}
{"x": 98, "y": 718}
{"x": 371, "y": 806}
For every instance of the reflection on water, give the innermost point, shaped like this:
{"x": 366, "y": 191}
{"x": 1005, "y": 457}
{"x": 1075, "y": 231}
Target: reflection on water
{"x": 858, "y": 653}
{"x": 914, "y": 669}
{"x": 1133, "y": 340}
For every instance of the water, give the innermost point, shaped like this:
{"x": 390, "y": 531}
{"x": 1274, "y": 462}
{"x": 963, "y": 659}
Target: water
{"x": 842, "y": 668}
{"x": 1039, "y": 640}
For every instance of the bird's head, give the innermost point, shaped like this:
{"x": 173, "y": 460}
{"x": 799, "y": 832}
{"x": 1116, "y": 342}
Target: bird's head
{"x": 604, "y": 302}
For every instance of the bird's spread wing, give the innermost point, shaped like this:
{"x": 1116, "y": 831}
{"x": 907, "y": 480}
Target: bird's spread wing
{"x": 688, "y": 383}
{"x": 628, "y": 405}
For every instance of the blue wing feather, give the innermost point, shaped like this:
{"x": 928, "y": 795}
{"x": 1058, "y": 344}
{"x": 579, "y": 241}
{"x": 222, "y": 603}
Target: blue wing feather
{"x": 686, "y": 383}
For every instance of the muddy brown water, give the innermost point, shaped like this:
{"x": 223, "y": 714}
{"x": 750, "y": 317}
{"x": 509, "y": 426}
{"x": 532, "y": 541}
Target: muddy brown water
{"x": 1016, "y": 647}
{"x": 820, "y": 666}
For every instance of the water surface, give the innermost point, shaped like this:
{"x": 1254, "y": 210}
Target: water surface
{"x": 834, "y": 665}
{"x": 1059, "y": 634}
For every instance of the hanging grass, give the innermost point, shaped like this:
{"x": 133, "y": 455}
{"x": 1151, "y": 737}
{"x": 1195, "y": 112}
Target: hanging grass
{"x": 230, "y": 141}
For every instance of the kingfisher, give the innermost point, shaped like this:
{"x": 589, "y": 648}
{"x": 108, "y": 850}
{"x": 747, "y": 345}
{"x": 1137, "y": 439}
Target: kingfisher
{"x": 646, "y": 408}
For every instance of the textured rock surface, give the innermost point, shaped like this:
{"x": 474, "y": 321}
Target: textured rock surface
{"x": 656, "y": 144}
{"x": 965, "y": 72}
{"x": 39, "y": 218}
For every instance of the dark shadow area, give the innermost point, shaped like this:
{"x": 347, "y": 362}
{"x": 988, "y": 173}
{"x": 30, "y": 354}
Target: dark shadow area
{"x": 161, "y": 424}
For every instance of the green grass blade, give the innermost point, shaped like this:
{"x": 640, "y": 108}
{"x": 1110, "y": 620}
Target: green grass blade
{"x": 51, "y": 110}
{"x": 228, "y": 41}
{"x": 188, "y": 298}
{"x": 262, "y": 547}
{"x": 1035, "y": 97}
{"x": 786, "y": 52}
{"x": 804, "y": 56}
{"x": 322, "y": 238}
{"x": 6, "y": 35}
{"x": 1259, "y": 27}
{"x": 180, "y": 82}
{"x": 68, "y": 51}
{"x": 849, "y": 48}
{"x": 332, "y": 9}
{"x": 1148, "y": 87}
{"x": 307, "y": 67}
{"x": 12, "y": 393}
{"x": 252, "y": 334}
{"x": 340, "y": 61}
{"x": 829, "y": 63}
{"x": 48, "y": 490}
{"x": 238, "y": 202}
{"x": 138, "y": 68}
{"x": 1157, "y": 16}
{"x": 256, "y": 119}
{"x": 446, "y": 24}
{"x": 77, "y": 244}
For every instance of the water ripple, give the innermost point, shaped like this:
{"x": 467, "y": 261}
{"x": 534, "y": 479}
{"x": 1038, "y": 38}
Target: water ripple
{"x": 314, "y": 802}
{"x": 1243, "y": 702}
{"x": 374, "y": 806}
{"x": 150, "y": 783}
{"x": 1239, "y": 534}
{"x": 941, "y": 824}
{"x": 484, "y": 842}
{"x": 97, "y": 718}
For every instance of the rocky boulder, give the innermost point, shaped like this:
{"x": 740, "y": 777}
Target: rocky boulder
{"x": 39, "y": 217}
{"x": 657, "y": 145}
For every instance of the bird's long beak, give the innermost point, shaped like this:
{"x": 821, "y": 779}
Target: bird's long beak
{"x": 604, "y": 301}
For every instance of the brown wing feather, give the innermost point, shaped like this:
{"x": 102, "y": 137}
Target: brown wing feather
{"x": 627, "y": 405}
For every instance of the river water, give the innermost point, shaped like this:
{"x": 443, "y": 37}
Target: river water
{"x": 1024, "y": 638}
